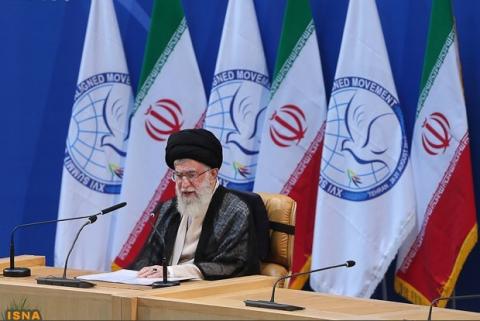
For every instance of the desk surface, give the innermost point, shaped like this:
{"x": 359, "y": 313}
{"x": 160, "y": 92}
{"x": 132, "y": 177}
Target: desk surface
{"x": 210, "y": 300}
{"x": 105, "y": 300}
{"x": 221, "y": 302}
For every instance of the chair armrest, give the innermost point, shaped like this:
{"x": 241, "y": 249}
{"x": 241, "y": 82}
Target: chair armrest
{"x": 272, "y": 269}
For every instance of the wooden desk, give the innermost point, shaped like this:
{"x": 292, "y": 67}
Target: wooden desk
{"x": 104, "y": 301}
{"x": 197, "y": 300}
{"x": 23, "y": 261}
{"x": 162, "y": 303}
{"x": 224, "y": 300}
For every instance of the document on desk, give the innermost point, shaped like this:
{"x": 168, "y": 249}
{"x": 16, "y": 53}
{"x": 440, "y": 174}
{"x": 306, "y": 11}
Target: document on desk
{"x": 126, "y": 277}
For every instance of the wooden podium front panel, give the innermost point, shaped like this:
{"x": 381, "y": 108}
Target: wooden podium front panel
{"x": 181, "y": 302}
{"x": 224, "y": 300}
{"x": 58, "y": 302}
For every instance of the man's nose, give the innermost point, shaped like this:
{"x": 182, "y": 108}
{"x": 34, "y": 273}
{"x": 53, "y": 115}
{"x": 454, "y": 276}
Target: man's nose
{"x": 185, "y": 182}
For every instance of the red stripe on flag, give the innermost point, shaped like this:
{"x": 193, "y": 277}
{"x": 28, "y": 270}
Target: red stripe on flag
{"x": 135, "y": 242}
{"x": 303, "y": 188}
{"x": 448, "y": 237}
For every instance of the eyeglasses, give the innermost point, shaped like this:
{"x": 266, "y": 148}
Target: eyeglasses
{"x": 190, "y": 175}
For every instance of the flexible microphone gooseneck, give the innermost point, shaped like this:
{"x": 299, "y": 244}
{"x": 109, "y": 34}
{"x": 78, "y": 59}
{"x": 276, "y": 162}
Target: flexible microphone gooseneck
{"x": 287, "y": 307}
{"x": 13, "y": 271}
{"x": 64, "y": 281}
{"x": 435, "y": 301}
{"x": 91, "y": 220}
{"x": 164, "y": 283}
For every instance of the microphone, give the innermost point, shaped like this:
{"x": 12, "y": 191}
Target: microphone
{"x": 64, "y": 281}
{"x": 287, "y": 307}
{"x": 164, "y": 283}
{"x": 435, "y": 301}
{"x": 13, "y": 271}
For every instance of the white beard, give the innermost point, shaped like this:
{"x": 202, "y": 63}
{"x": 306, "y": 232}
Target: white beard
{"x": 197, "y": 206}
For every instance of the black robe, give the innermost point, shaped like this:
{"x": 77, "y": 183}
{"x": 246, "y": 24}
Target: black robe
{"x": 233, "y": 240}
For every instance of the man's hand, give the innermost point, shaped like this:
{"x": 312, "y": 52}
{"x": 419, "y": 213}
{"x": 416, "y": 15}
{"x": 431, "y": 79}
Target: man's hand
{"x": 154, "y": 271}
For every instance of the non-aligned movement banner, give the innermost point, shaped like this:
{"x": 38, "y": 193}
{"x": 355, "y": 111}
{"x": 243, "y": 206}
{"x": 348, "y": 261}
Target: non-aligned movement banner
{"x": 239, "y": 95}
{"x": 366, "y": 205}
{"x": 96, "y": 143}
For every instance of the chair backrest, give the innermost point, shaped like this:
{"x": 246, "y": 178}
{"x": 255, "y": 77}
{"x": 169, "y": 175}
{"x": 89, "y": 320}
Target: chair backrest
{"x": 281, "y": 210}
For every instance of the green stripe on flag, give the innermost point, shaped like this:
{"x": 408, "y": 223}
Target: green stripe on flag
{"x": 166, "y": 17}
{"x": 434, "y": 71}
{"x": 157, "y": 68}
{"x": 297, "y": 28}
{"x": 166, "y": 28}
{"x": 440, "y": 37}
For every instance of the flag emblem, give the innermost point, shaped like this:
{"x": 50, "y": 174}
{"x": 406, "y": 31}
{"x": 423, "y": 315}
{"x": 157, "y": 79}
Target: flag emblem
{"x": 436, "y": 134}
{"x": 235, "y": 117}
{"x": 163, "y": 119}
{"x": 288, "y": 126}
{"x": 358, "y": 164}
{"x": 96, "y": 140}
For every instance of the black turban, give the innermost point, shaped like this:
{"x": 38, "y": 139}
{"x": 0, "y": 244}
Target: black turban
{"x": 198, "y": 144}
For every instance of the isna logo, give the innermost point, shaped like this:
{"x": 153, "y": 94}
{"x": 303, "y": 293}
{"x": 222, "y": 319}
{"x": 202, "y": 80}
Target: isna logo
{"x": 21, "y": 311}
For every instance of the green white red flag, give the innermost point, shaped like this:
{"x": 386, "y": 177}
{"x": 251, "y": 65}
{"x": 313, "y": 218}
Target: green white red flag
{"x": 171, "y": 97}
{"x": 431, "y": 259}
{"x": 291, "y": 143}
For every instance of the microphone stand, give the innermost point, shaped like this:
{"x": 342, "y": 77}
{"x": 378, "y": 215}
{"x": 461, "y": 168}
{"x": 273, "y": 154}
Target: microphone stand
{"x": 435, "y": 301}
{"x": 288, "y": 307}
{"x": 64, "y": 281}
{"x": 13, "y": 271}
{"x": 164, "y": 283}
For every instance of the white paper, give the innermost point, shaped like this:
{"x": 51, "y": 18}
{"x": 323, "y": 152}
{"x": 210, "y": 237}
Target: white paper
{"x": 125, "y": 276}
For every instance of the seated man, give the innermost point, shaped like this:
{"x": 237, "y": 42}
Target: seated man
{"x": 207, "y": 231}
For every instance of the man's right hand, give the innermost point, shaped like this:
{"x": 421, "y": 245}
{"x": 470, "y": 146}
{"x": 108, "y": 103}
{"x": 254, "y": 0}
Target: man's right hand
{"x": 154, "y": 271}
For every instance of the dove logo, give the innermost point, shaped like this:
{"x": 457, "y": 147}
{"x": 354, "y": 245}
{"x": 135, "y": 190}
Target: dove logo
{"x": 287, "y": 126}
{"x": 436, "y": 134}
{"x": 235, "y": 114}
{"x": 365, "y": 146}
{"x": 99, "y": 130}
{"x": 163, "y": 119}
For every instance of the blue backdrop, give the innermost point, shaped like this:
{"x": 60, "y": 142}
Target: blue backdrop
{"x": 41, "y": 43}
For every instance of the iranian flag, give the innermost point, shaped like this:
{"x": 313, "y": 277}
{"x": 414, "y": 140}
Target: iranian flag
{"x": 431, "y": 260}
{"x": 171, "y": 97}
{"x": 289, "y": 159}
